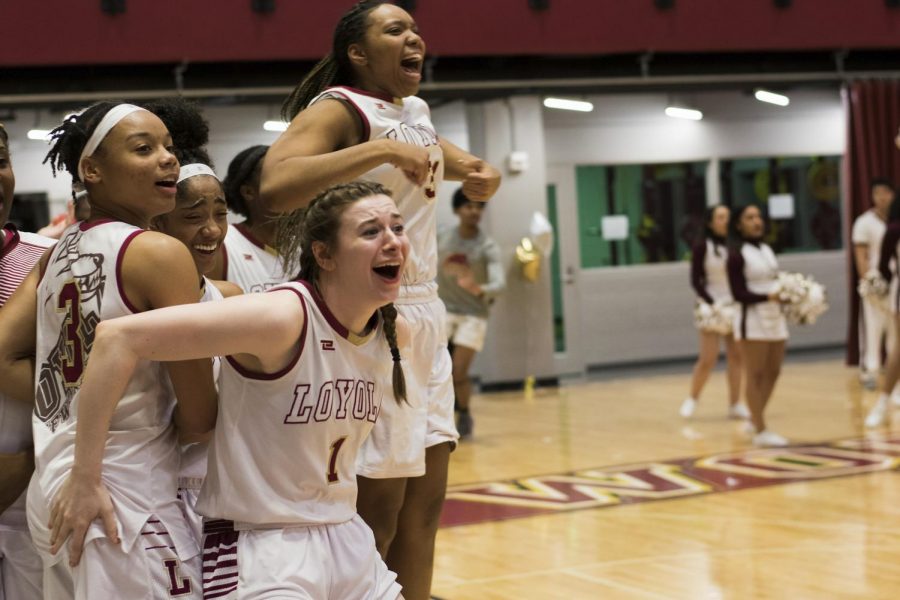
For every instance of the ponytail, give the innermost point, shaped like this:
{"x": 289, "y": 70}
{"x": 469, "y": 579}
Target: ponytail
{"x": 389, "y": 316}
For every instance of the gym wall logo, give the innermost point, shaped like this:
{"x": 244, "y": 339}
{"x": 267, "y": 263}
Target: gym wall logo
{"x": 630, "y": 484}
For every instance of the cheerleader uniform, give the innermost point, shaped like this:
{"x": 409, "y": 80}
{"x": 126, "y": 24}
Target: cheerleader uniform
{"x": 890, "y": 250}
{"x": 709, "y": 276}
{"x": 752, "y": 275}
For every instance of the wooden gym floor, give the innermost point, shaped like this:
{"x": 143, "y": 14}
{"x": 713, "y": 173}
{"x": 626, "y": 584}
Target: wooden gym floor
{"x": 600, "y": 490}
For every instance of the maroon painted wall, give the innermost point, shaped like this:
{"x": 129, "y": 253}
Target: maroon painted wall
{"x": 61, "y": 32}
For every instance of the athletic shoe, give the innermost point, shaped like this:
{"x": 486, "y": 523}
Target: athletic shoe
{"x": 464, "y": 424}
{"x": 738, "y": 412}
{"x": 687, "y": 408}
{"x": 878, "y": 414}
{"x": 769, "y": 439}
{"x": 868, "y": 380}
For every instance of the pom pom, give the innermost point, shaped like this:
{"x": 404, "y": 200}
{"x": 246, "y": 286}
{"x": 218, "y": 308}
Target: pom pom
{"x": 803, "y": 299}
{"x": 714, "y": 318}
{"x": 873, "y": 286}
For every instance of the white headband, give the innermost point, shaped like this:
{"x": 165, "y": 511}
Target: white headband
{"x": 195, "y": 169}
{"x": 109, "y": 120}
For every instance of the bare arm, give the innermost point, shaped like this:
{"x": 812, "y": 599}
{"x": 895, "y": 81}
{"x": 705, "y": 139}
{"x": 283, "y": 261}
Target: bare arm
{"x": 18, "y": 329}
{"x": 265, "y": 327}
{"x": 480, "y": 179}
{"x": 321, "y": 148}
{"x": 861, "y": 258}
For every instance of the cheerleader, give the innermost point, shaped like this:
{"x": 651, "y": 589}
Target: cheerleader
{"x": 890, "y": 251}
{"x": 710, "y": 281}
{"x": 760, "y": 327}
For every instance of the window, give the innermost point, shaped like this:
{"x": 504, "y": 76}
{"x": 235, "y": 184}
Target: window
{"x": 664, "y": 204}
{"x": 814, "y": 183}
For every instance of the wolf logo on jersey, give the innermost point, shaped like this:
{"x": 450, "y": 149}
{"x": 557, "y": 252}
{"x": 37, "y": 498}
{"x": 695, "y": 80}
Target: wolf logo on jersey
{"x": 60, "y": 375}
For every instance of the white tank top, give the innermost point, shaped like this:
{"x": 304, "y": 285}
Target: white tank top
{"x": 249, "y": 263}
{"x": 406, "y": 120}
{"x": 80, "y": 288}
{"x": 19, "y": 252}
{"x": 285, "y": 445}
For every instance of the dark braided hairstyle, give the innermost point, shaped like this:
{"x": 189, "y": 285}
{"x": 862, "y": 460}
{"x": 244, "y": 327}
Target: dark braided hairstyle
{"x": 4, "y": 136}
{"x": 322, "y": 222}
{"x": 335, "y": 68}
{"x": 244, "y": 166}
{"x": 70, "y": 138}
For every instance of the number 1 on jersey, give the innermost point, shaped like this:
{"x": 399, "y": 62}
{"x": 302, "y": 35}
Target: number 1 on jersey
{"x": 332, "y": 459}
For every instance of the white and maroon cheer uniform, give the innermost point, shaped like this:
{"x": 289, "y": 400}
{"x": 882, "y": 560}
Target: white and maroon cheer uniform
{"x": 249, "y": 263}
{"x": 869, "y": 231}
{"x": 709, "y": 276}
{"x": 20, "y": 565}
{"x": 282, "y": 469}
{"x": 157, "y": 556}
{"x": 396, "y": 447}
{"x": 752, "y": 274}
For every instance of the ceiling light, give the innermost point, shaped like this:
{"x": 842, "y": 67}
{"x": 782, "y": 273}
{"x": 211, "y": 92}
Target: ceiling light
{"x": 275, "y": 126}
{"x": 683, "y": 113}
{"x": 772, "y": 98}
{"x": 41, "y": 135}
{"x": 564, "y": 104}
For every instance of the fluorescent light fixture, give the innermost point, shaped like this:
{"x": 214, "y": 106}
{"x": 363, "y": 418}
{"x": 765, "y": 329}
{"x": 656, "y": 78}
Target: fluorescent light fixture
{"x": 275, "y": 126}
{"x": 565, "y": 104}
{"x": 683, "y": 113}
{"x": 41, "y": 135}
{"x": 772, "y": 98}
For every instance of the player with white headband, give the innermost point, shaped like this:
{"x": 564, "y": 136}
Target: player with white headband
{"x": 106, "y": 267}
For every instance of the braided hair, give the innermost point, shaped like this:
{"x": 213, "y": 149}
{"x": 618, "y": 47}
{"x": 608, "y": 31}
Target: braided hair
{"x": 335, "y": 68}
{"x": 3, "y": 135}
{"x": 322, "y": 222}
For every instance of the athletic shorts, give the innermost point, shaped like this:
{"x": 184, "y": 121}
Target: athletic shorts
{"x": 396, "y": 445}
{"x": 316, "y": 562}
{"x": 466, "y": 330}
{"x": 152, "y": 570}
{"x": 21, "y": 570}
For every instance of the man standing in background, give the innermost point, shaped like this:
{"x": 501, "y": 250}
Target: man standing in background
{"x": 470, "y": 277}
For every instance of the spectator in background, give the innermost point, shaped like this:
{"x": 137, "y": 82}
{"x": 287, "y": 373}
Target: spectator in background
{"x": 470, "y": 277}
{"x": 868, "y": 232}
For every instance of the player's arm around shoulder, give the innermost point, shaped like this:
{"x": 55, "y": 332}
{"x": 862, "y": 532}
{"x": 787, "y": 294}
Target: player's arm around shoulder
{"x": 157, "y": 271}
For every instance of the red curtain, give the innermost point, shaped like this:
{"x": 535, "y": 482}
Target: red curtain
{"x": 874, "y": 118}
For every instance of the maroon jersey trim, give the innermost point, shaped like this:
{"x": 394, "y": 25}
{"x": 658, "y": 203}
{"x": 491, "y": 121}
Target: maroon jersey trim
{"x": 119, "y": 260}
{"x": 251, "y": 374}
{"x": 329, "y": 316}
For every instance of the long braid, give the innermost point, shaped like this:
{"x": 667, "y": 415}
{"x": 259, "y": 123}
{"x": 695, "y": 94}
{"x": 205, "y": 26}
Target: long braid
{"x": 289, "y": 241}
{"x": 335, "y": 68}
{"x": 389, "y": 316}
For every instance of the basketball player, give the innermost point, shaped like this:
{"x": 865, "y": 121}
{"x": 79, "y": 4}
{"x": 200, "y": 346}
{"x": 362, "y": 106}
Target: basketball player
{"x": 868, "y": 231}
{"x": 760, "y": 326}
{"x": 20, "y": 565}
{"x": 710, "y": 282}
{"x": 470, "y": 278}
{"x": 107, "y": 267}
{"x": 355, "y": 116}
{"x": 249, "y": 258}
{"x": 300, "y": 388}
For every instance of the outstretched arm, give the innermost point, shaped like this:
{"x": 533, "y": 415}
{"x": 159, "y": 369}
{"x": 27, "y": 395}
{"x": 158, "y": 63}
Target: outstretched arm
{"x": 261, "y": 329}
{"x": 322, "y": 147}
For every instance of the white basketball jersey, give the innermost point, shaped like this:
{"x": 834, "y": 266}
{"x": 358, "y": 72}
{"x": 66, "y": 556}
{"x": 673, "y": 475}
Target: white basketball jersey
{"x": 193, "y": 456}
{"x": 81, "y": 287}
{"x": 406, "y": 120}
{"x": 249, "y": 263}
{"x": 285, "y": 444}
{"x": 19, "y": 252}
